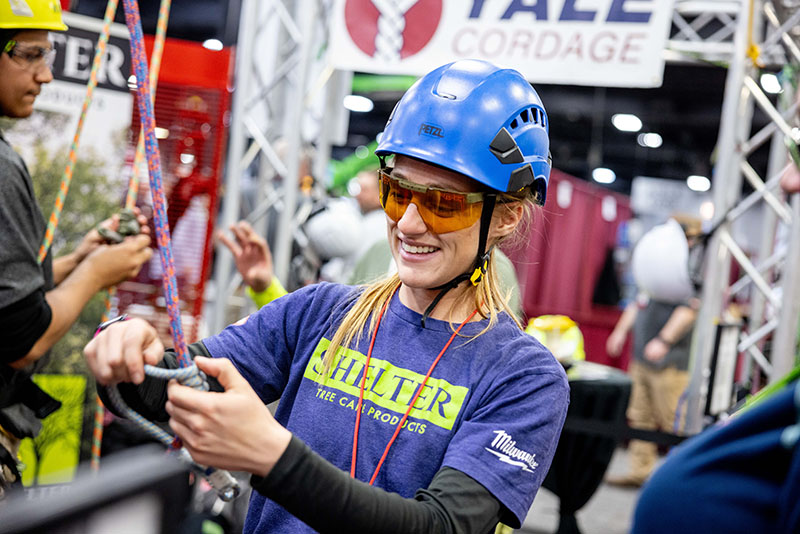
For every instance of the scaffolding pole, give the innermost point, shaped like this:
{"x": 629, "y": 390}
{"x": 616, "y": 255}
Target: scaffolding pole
{"x": 735, "y": 145}
{"x": 305, "y": 13}
{"x": 276, "y": 46}
{"x": 236, "y": 150}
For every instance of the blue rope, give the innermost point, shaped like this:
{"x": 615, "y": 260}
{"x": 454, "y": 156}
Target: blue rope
{"x": 222, "y": 481}
{"x": 148, "y": 426}
{"x": 161, "y": 224}
{"x": 188, "y": 376}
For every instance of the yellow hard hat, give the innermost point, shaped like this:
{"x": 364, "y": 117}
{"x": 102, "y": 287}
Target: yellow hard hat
{"x": 31, "y": 15}
{"x": 559, "y": 334}
{"x": 552, "y": 322}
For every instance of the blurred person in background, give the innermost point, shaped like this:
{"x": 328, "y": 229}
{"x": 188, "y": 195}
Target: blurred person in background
{"x": 345, "y": 230}
{"x": 364, "y": 188}
{"x": 741, "y": 475}
{"x": 661, "y": 319}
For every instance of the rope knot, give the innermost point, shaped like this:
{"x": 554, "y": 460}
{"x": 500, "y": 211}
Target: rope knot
{"x": 190, "y": 376}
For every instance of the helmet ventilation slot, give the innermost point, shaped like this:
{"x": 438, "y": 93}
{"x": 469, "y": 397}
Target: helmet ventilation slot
{"x": 534, "y": 115}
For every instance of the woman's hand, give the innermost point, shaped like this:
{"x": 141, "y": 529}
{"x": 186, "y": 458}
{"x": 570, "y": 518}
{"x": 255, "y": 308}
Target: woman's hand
{"x": 118, "y": 353}
{"x": 231, "y": 430}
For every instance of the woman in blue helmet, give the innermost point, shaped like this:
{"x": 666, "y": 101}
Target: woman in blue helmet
{"x": 455, "y": 423}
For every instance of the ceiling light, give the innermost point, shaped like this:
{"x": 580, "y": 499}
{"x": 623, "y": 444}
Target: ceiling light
{"x": 187, "y": 158}
{"x": 353, "y": 187}
{"x": 707, "y": 210}
{"x": 161, "y": 133}
{"x": 698, "y": 183}
{"x": 626, "y": 122}
{"x": 770, "y": 83}
{"x": 362, "y": 152}
{"x": 132, "y": 82}
{"x": 358, "y": 103}
{"x": 649, "y": 140}
{"x": 602, "y": 175}
{"x": 213, "y": 44}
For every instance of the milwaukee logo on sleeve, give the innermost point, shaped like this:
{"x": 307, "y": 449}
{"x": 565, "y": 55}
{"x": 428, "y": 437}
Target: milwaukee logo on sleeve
{"x": 504, "y": 447}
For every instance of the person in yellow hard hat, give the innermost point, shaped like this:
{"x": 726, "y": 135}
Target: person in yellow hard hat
{"x": 560, "y": 334}
{"x": 38, "y": 302}
{"x": 23, "y": 40}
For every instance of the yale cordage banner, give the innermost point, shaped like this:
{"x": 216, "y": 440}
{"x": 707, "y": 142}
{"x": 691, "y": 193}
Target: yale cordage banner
{"x": 615, "y": 43}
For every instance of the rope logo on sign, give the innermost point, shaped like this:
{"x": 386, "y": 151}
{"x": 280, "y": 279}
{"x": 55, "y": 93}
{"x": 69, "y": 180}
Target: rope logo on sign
{"x": 391, "y": 23}
{"x": 392, "y": 30}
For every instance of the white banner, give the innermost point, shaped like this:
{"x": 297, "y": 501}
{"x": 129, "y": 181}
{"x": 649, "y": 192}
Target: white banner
{"x": 615, "y": 43}
{"x": 662, "y": 197}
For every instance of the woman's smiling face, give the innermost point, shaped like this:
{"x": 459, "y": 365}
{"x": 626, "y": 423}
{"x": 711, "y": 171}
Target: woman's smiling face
{"x": 425, "y": 259}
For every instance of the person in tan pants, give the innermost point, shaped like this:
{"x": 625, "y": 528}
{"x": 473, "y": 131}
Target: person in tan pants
{"x": 661, "y": 337}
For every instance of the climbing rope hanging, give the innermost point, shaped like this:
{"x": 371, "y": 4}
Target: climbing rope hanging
{"x": 145, "y": 105}
{"x": 155, "y": 69}
{"x": 225, "y": 485}
{"x": 66, "y": 178}
{"x": 130, "y": 203}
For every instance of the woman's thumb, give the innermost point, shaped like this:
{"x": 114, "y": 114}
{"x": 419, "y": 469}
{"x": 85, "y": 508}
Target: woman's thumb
{"x": 220, "y": 368}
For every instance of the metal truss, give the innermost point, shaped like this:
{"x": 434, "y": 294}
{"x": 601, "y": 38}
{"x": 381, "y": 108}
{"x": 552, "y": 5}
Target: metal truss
{"x": 280, "y": 88}
{"x": 705, "y": 31}
{"x": 769, "y": 286}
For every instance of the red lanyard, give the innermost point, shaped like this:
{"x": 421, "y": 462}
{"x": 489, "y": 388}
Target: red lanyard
{"x": 410, "y": 405}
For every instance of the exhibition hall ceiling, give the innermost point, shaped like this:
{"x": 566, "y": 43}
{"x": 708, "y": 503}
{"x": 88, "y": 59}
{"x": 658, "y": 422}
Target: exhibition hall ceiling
{"x": 684, "y": 112}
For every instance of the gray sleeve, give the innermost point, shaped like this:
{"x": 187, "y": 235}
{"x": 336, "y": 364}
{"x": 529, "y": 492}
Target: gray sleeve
{"x": 23, "y": 229}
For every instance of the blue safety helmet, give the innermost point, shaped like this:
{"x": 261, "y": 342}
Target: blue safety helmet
{"x": 477, "y": 119}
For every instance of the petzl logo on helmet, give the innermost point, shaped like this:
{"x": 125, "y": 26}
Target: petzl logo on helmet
{"x": 430, "y": 130}
{"x": 392, "y": 30}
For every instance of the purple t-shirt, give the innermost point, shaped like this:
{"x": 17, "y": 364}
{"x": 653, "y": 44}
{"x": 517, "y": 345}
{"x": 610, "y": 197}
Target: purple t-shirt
{"x": 493, "y": 407}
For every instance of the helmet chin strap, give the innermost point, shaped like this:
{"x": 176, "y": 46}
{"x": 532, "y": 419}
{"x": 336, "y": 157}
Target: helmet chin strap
{"x": 481, "y": 261}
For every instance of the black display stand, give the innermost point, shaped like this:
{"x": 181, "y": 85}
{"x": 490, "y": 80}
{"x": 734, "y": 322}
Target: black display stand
{"x": 598, "y": 394}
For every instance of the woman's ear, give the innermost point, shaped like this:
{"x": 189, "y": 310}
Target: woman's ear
{"x": 506, "y": 218}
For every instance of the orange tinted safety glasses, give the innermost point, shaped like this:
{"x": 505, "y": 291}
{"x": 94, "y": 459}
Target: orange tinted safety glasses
{"x": 442, "y": 210}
